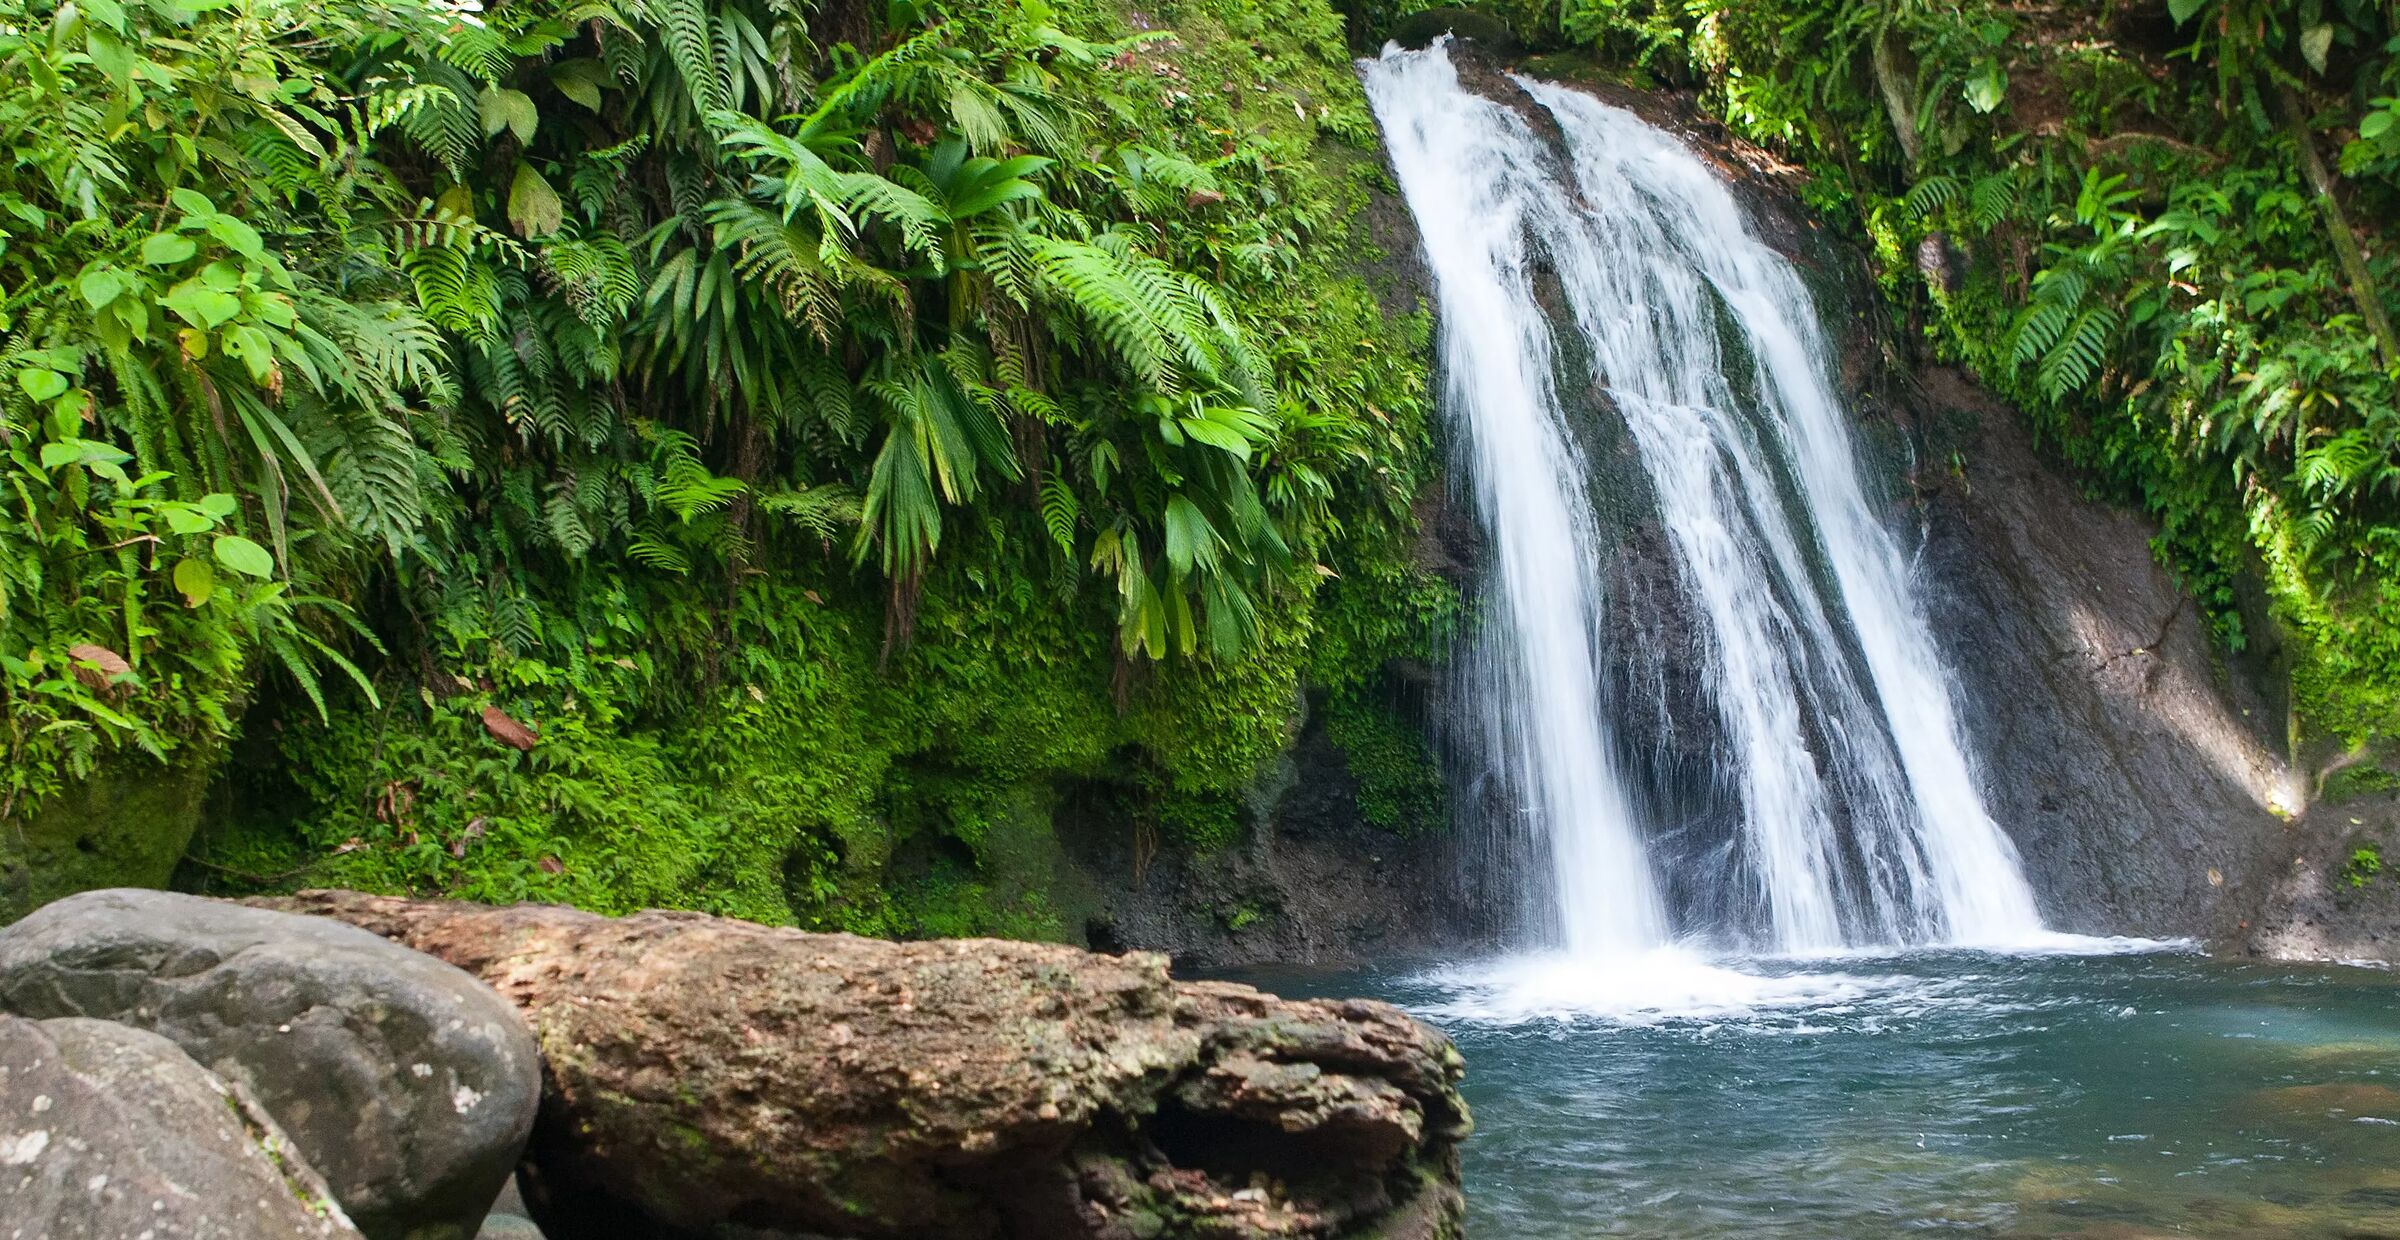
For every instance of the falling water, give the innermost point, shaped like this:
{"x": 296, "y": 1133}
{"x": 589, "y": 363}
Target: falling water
{"x": 1860, "y": 821}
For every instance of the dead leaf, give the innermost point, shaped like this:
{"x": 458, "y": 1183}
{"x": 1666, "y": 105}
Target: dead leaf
{"x": 476, "y": 827}
{"x": 507, "y": 731}
{"x": 353, "y": 844}
{"x": 106, "y": 665}
{"x": 552, "y": 865}
{"x": 1203, "y": 198}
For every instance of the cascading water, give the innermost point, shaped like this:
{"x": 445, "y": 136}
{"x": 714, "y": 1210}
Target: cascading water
{"x": 1860, "y": 821}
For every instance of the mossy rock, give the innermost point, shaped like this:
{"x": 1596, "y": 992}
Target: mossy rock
{"x": 126, "y": 826}
{"x": 1482, "y": 29}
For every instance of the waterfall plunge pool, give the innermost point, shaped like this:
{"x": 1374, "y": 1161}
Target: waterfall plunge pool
{"x": 2096, "y": 1089}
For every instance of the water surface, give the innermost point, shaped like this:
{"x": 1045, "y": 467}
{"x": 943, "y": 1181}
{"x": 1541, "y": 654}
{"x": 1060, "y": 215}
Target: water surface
{"x": 1945, "y": 1093}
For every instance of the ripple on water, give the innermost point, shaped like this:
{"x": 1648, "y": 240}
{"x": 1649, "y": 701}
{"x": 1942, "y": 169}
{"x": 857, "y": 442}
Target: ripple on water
{"x": 2081, "y": 1090}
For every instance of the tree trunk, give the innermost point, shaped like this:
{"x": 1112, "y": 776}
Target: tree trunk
{"x": 2337, "y": 226}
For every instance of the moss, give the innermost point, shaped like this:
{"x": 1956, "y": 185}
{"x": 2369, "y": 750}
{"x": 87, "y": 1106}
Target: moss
{"x": 2353, "y": 782}
{"x": 124, "y": 826}
{"x": 1400, "y": 785}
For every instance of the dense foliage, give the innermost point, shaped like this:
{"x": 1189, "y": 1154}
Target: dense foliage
{"x": 677, "y": 451}
{"x": 2162, "y": 227}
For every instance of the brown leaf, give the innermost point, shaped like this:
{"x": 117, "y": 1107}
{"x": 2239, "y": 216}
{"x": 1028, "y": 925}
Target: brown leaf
{"x": 1203, "y": 198}
{"x": 507, "y": 731}
{"x": 458, "y": 847}
{"x": 552, "y": 865}
{"x": 106, "y": 664}
{"x": 476, "y": 826}
{"x": 353, "y": 844}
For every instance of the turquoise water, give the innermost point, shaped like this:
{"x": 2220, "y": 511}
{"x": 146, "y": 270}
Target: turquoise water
{"x": 2098, "y": 1095}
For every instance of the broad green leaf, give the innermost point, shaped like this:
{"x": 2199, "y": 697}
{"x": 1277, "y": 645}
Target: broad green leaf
{"x": 186, "y": 519}
{"x": 192, "y": 202}
{"x": 244, "y": 556}
{"x": 237, "y": 236}
{"x": 199, "y": 305}
{"x": 2182, "y": 10}
{"x": 252, "y": 348}
{"x": 579, "y": 80}
{"x": 1987, "y": 87}
{"x": 533, "y": 207}
{"x": 196, "y": 581}
{"x": 41, "y": 384}
{"x": 82, "y": 452}
{"x": 102, "y": 286}
{"x": 2375, "y": 125}
{"x": 2315, "y": 43}
{"x": 218, "y": 504}
{"x": 167, "y": 249}
{"x": 1216, "y": 435}
{"x": 511, "y": 110}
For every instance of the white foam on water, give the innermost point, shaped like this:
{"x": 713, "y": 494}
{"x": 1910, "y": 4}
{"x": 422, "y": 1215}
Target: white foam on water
{"x": 1758, "y": 993}
{"x": 1638, "y": 988}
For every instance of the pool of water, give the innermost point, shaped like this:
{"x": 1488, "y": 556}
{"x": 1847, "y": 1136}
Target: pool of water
{"x": 2095, "y": 1090}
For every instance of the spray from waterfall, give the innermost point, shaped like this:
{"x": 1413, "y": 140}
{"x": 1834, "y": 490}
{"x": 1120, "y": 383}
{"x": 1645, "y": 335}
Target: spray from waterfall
{"x": 1860, "y": 821}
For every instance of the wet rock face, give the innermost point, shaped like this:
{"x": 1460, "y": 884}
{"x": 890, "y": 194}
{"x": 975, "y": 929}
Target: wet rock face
{"x": 2133, "y": 765}
{"x": 408, "y": 1083}
{"x": 108, "y": 1132}
{"x": 706, "y": 1074}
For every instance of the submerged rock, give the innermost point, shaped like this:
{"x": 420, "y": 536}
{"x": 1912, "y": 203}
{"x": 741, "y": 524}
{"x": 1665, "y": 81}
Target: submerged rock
{"x": 707, "y": 1075}
{"x": 409, "y": 1084}
{"x": 108, "y": 1132}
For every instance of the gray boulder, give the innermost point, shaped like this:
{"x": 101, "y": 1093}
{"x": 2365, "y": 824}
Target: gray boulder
{"x": 109, "y": 1132}
{"x": 408, "y": 1083}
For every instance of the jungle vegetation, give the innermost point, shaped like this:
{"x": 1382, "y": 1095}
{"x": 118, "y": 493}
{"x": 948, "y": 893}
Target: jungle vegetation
{"x": 674, "y": 452}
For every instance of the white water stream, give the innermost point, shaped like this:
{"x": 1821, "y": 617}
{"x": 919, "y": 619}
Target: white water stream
{"x": 1860, "y": 818}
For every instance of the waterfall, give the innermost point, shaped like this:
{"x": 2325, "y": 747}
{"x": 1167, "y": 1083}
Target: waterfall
{"x": 1859, "y": 818}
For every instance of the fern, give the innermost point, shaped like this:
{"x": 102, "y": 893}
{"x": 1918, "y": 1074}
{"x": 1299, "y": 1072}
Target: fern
{"x": 1060, "y": 512}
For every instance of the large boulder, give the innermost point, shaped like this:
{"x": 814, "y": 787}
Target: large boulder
{"x": 712, "y": 1077}
{"x": 409, "y": 1084}
{"x": 108, "y": 1132}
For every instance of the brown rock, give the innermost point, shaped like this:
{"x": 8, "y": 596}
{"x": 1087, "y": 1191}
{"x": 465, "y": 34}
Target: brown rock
{"x": 705, "y": 1074}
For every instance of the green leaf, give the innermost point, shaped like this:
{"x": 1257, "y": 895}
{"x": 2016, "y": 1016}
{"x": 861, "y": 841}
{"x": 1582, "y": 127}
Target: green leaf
{"x": 1216, "y": 435}
{"x": 167, "y": 249}
{"x": 579, "y": 80}
{"x": 196, "y": 581}
{"x": 511, "y": 110}
{"x": 2315, "y": 43}
{"x": 82, "y": 452}
{"x": 102, "y": 286}
{"x": 218, "y": 504}
{"x": 192, "y": 202}
{"x": 244, "y": 556}
{"x": 237, "y": 236}
{"x": 42, "y": 384}
{"x": 186, "y": 519}
{"x": 1987, "y": 88}
{"x": 2183, "y": 10}
{"x": 199, "y": 305}
{"x": 2376, "y": 125}
{"x": 252, "y": 348}
{"x": 533, "y": 207}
